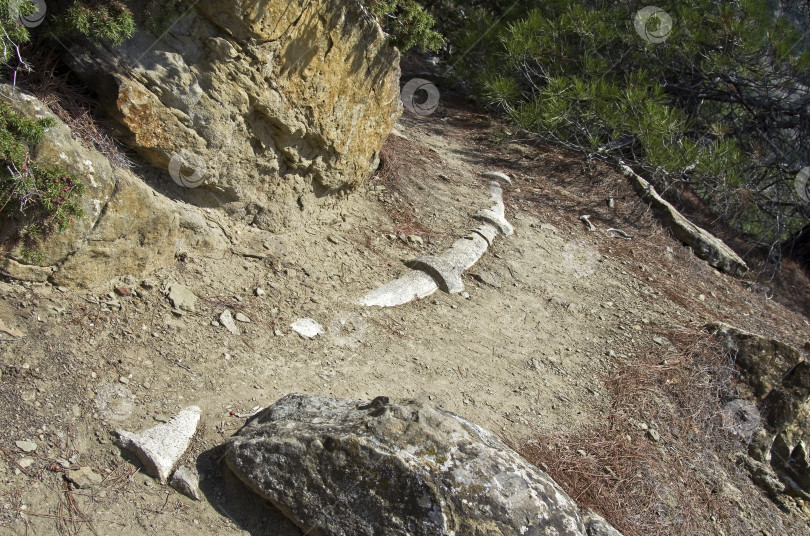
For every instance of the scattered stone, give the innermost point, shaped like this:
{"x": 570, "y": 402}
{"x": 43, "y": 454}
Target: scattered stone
{"x": 160, "y": 447}
{"x": 26, "y": 446}
{"x": 187, "y": 482}
{"x": 123, "y": 291}
{"x": 148, "y": 284}
{"x": 84, "y": 478}
{"x": 242, "y": 318}
{"x": 182, "y": 298}
{"x": 653, "y": 434}
{"x": 25, "y": 462}
{"x": 307, "y": 328}
{"x": 416, "y": 239}
{"x": 259, "y": 292}
{"x": 226, "y": 319}
{"x": 425, "y": 471}
{"x": 10, "y": 331}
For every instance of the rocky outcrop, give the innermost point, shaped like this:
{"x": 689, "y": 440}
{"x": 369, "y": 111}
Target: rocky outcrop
{"x": 345, "y": 468}
{"x": 779, "y": 380}
{"x": 126, "y": 229}
{"x": 260, "y": 107}
{"x": 761, "y": 361}
{"x": 705, "y": 245}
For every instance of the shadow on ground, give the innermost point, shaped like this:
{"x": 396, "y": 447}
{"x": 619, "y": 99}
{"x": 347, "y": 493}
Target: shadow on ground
{"x": 232, "y": 499}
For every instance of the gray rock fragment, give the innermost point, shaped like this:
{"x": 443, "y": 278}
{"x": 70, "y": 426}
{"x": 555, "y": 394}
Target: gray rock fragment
{"x": 226, "y": 319}
{"x": 26, "y": 446}
{"x": 345, "y": 468}
{"x": 307, "y": 328}
{"x": 84, "y": 478}
{"x": 160, "y": 447}
{"x": 706, "y": 246}
{"x": 182, "y": 298}
{"x": 186, "y": 481}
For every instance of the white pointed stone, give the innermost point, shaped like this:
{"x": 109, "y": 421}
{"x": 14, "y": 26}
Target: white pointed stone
{"x": 159, "y": 448}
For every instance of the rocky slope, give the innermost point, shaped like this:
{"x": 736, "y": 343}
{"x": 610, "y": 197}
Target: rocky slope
{"x": 552, "y": 314}
{"x": 187, "y": 282}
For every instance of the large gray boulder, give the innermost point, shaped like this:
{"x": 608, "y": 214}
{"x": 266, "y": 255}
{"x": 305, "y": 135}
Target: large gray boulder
{"x": 262, "y": 107}
{"x": 344, "y": 468}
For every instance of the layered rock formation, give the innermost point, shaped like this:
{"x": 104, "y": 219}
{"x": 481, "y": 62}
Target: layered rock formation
{"x": 345, "y": 468}
{"x": 261, "y": 107}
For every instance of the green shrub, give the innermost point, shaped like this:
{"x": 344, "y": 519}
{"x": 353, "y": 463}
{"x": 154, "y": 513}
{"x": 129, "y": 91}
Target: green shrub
{"x": 407, "y": 22}
{"x": 38, "y": 199}
{"x": 705, "y": 107}
{"x": 95, "y": 19}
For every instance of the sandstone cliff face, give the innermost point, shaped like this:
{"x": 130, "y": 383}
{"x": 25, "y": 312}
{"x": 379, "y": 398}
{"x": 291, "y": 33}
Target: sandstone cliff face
{"x": 267, "y": 105}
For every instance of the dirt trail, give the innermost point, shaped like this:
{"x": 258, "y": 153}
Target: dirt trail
{"x": 550, "y": 311}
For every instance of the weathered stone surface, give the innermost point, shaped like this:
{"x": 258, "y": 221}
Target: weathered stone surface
{"x": 595, "y": 525}
{"x": 126, "y": 229}
{"x": 411, "y": 286}
{"x": 84, "y": 478}
{"x": 785, "y": 404}
{"x": 762, "y": 361}
{"x": 181, "y": 297}
{"x": 160, "y": 447}
{"x": 704, "y": 244}
{"x": 344, "y": 468}
{"x": 266, "y": 105}
{"x": 186, "y": 481}
{"x": 448, "y": 278}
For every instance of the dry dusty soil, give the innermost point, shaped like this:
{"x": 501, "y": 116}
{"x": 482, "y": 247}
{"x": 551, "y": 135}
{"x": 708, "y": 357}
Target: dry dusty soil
{"x": 551, "y": 314}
